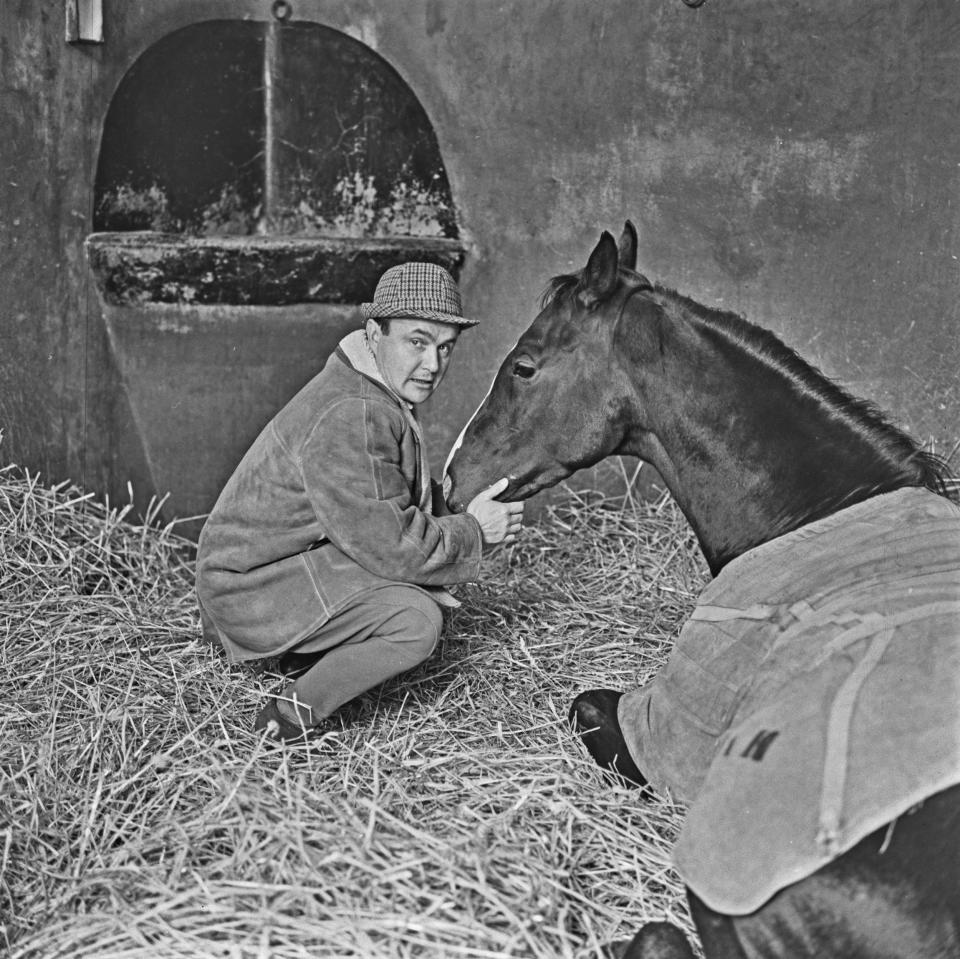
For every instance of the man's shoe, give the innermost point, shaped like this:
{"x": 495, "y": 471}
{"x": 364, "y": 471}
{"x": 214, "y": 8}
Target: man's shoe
{"x": 276, "y": 728}
{"x": 593, "y": 717}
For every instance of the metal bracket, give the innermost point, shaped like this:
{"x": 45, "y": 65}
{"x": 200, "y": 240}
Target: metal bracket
{"x": 84, "y": 21}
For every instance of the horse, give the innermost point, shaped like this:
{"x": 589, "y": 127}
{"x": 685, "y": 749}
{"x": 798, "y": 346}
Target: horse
{"x": 769, "y": 461}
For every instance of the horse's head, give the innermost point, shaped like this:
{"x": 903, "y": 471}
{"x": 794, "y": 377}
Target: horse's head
{"x": 750, "y": 439}
{"x": 561, "y": 399}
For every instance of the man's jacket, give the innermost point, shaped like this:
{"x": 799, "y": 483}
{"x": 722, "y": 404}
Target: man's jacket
{"x": 332, "y": 500}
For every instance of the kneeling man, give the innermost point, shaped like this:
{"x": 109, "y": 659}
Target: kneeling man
{"x": 324, "y": 547}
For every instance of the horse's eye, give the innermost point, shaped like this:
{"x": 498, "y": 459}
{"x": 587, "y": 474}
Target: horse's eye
{"x": 523, "y": 369}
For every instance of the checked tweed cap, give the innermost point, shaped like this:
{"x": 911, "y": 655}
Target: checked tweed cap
{"x": 420, "y": 291}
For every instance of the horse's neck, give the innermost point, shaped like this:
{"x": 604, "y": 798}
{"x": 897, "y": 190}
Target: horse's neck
{"x": 722, "y": 503}
{"x": 744, "y": 474}
{"x": 727, "y": 510}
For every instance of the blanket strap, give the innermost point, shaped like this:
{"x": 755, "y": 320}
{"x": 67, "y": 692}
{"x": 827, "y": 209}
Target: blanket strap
{"x": 881, "y": 631}
{"x": 723, "y": 614}
{"x": 838, "y": 729}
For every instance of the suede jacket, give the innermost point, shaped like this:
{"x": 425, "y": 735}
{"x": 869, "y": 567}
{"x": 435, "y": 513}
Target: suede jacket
{"x": 332, "y": 500}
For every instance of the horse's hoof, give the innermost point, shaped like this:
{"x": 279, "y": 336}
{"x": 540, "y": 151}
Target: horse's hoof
{"x": 593, "y": 716}
{"x": 658, "y": 940}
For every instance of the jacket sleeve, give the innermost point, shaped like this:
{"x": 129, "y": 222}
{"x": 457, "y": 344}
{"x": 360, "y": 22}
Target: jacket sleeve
{"x": 353, "y": 475}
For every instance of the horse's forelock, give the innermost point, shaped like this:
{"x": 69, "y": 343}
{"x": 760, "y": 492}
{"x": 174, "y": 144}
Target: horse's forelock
{"x": 564, "y": 287}
{"x": 559, "y": 289}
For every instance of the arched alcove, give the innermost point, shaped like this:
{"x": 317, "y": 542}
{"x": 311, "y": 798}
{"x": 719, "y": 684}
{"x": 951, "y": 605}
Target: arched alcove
{"x": 268, "y": 163}
{"x": 254, "y": 181}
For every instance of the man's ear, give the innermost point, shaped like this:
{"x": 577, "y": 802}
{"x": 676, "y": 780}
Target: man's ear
{"x": 373, "y": 332}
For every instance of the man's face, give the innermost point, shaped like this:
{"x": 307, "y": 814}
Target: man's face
{"x": 414, "y": 355}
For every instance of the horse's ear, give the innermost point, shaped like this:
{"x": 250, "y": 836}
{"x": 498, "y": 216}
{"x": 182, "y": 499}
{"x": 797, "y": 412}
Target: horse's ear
{"x": 600, "y": 275}
{"x": 628, "y": 246}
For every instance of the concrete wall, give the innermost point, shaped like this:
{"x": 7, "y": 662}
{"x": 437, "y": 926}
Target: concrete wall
{"x": 798, "y": 162}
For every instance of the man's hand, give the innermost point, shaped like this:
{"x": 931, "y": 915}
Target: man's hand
{"x": 499, "y": 522}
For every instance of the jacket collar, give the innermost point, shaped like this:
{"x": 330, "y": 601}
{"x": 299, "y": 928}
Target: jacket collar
{"x": 355, "y": 349}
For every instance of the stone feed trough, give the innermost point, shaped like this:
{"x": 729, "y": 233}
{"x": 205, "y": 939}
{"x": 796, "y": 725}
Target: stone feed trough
{"x": 212, "y": 335}
{"x": 133, "y": 268}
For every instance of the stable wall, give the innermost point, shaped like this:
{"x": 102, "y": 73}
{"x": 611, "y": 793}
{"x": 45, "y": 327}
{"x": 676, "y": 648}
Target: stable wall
{"x": 793, "y": 161}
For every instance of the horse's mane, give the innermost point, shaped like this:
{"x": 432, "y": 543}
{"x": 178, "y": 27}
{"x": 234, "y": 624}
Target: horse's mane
{"x": 900, "y": 450}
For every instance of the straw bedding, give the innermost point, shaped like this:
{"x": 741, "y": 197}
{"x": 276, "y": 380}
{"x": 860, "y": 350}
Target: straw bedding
{"x": 453, "y": 814}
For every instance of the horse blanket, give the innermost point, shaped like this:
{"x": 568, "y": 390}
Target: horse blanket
{"x": 813, "y": 696}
